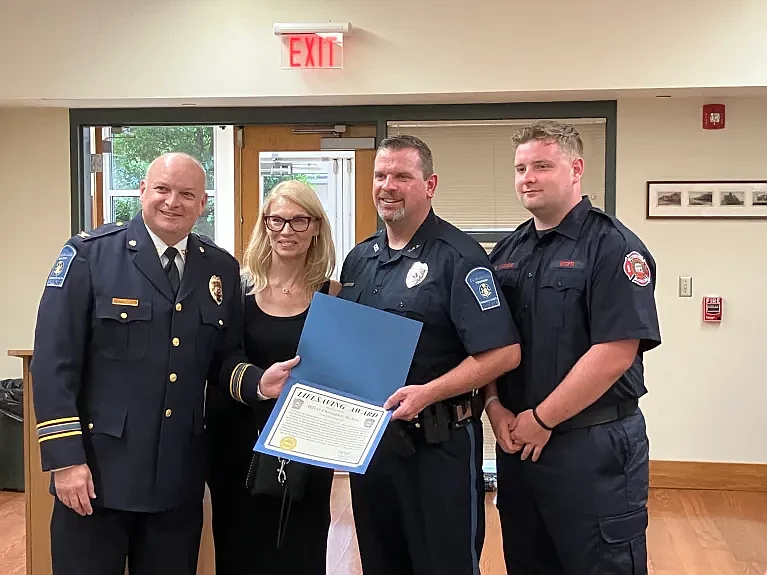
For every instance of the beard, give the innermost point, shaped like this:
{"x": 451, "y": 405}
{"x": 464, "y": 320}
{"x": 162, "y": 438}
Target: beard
{"x": 387, "y": 212}
{"x": 389, "y": 215}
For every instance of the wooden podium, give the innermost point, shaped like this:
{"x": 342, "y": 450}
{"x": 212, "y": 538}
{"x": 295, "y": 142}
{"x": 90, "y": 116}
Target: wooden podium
{"x": 39, "y": 502}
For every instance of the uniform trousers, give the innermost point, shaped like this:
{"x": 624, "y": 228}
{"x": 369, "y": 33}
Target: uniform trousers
{"x": 423, "y": 514}
{"x": 581, "y": 508}
{"x": 100, "y": 544}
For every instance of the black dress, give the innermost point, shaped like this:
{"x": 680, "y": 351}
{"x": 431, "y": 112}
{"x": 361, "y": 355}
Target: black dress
{"x": 245, "y": 526}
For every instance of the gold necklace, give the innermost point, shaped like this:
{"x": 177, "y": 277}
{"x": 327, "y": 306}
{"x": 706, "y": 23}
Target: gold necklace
{"x": 287, "y": 291}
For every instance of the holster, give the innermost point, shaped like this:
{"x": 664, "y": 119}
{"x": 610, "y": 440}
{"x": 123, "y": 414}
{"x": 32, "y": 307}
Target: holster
{"x": 438, "y": 419}
{"x": 435, "y": 423}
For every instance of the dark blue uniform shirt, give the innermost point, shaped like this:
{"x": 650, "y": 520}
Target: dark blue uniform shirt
{"x": 441, "y": 278}
{"x": 120, "y": 363}
{"x": 590, "y": 280}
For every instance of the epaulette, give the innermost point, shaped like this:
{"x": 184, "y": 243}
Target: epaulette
{"x": 460, "y": 241}
{"x": 606, "y": 217}
{"x": 210, "y": 243}
{"x": 373, "y": 236}
{"x": 101, "y": 231}
{"x": 600, "y": 212}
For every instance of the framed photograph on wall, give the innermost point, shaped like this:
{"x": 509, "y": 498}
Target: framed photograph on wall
{"x": 746, "y": 199}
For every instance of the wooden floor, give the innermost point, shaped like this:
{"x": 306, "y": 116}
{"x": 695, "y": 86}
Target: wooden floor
{"x": 690, "y": 533}
{"x": 12, "y": 540}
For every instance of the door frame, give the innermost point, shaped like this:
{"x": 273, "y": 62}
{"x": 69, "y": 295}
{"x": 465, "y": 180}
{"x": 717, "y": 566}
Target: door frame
{"x": 82, "y": 119}
{"x": 343, "y": 202}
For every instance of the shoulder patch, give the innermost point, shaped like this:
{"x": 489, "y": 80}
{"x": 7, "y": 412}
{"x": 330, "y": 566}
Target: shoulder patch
{"x": 61, "y": 268}
{"x": 636, "y": 269}
{"x": 480, "y": 281}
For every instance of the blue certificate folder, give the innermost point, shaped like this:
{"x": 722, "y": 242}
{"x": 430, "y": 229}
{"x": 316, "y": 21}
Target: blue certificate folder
{"x": 352, "y": 350}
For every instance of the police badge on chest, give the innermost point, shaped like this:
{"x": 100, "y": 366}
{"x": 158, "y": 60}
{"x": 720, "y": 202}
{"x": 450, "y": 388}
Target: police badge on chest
{"x": 416, "y": 274}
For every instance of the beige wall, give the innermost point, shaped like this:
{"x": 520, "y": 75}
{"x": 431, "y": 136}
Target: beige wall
{"x": 99, "y": 51}
{"x": 707, "y": 392}
{"x": 707, "y": 385}
{"x": 34, "y": 220}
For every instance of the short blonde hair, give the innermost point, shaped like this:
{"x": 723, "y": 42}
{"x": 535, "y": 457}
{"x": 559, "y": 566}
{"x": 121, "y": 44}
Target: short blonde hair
{"x": 321, "y": 257}
{"x": 565, "y": 135}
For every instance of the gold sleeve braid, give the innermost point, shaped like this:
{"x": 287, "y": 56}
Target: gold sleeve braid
{"x": 235, "y": 381}
{"x": 58, "y": 428}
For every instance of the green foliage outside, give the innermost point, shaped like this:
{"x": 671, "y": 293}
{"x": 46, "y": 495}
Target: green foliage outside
{"x": 125, "y": 208}
{"x": 271, "y": 181}
{"x": 137, "y": 147}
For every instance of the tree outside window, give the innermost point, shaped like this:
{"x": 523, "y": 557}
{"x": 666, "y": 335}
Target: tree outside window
{"x": 134, "y": 148}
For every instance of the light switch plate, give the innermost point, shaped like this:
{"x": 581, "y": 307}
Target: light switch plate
{"x": 685, "y": 286}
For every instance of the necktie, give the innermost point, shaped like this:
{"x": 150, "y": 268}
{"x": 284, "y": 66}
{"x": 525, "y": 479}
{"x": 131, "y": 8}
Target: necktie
{"x": 171, "y": 269}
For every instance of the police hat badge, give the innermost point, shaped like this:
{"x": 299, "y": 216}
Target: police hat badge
{"x": 216, "y": 289}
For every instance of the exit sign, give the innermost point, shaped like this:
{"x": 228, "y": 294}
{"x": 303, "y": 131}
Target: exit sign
{"x": 312, "y": 51}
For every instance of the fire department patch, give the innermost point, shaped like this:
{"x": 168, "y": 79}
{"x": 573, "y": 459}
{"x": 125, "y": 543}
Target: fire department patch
{"x": 636, "y": 269}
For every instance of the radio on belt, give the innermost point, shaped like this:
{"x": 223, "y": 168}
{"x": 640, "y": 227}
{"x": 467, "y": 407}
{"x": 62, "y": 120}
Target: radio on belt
{"x": 712, "y": 308}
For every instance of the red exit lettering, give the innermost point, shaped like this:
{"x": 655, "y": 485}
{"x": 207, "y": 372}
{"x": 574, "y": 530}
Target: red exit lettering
{"x": 310, "y": 51}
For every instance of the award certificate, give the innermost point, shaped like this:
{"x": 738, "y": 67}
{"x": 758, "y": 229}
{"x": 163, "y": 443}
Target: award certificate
{"x": 326, "y": 428}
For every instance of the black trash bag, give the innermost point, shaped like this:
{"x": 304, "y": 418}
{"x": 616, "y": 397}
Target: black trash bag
{"x": 12, "y": 398}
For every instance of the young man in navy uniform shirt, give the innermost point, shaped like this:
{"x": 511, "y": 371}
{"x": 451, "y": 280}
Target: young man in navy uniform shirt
{"x": 581, "y": 289}
{"x": 419, "y": 509}
{"x": 134, "y": 319}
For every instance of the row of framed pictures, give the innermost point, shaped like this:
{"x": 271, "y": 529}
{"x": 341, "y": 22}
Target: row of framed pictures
{"x": 707, "y": 199}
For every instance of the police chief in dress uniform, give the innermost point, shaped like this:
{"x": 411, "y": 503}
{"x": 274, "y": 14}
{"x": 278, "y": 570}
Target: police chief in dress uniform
{"x": 419, "y": 508}
{"x": 581, "y": 288}
{"x": 133, "y": 320}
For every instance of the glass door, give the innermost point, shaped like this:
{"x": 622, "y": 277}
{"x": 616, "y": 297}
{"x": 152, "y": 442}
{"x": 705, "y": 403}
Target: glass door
{"x": 331, "y": 175}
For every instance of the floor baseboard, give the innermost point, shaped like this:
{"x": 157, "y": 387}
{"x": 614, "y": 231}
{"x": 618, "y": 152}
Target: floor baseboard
{"x": 708, "y": 475}
{"x": 700, "y": 475}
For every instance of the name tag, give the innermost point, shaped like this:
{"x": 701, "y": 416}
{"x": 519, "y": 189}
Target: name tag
{"x": 568, "y": 264}
{"x": 123, "y": 301}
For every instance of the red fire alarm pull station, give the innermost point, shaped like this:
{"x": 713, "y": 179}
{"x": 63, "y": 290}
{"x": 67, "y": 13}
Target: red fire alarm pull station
{"x": 713, "y": 116}
{"x": 712, "y": 309}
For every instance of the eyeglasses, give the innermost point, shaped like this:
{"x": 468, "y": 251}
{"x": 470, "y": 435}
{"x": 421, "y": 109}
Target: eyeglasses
{"x": 298, "y": 223}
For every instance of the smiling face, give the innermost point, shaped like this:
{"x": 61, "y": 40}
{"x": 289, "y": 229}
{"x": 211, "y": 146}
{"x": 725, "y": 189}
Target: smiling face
{"x": 546, "y": 179}
{"x": 288, "y": 243}
{"x": 173, "y": 196}
{"x": 400, "y": 191}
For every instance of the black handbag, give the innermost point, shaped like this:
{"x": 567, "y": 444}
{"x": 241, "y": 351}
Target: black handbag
{"x": 277, "y": 477}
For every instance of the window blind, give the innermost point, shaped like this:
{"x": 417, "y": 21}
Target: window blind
{"x": 475, "y": 165}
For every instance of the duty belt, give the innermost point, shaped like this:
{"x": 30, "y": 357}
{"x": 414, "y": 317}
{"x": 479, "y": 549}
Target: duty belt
{"x": 436, "y": 420}
{"x": 599, "y": 415}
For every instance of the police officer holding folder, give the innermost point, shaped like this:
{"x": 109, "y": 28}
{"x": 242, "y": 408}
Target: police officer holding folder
{"x": 135, "y": 317}
{"x": 419, "y": 508}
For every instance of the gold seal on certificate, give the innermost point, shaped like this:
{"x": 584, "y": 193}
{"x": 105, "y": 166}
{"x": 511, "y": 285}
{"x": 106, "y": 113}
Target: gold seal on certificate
{"x": 288, "y": 443}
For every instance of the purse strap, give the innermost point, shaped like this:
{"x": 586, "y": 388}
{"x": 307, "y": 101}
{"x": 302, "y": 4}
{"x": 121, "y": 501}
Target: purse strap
{"x": 287, "y": 500}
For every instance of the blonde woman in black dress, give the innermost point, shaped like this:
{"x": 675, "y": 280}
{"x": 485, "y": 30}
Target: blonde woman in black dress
{"x": 290, "y": 256}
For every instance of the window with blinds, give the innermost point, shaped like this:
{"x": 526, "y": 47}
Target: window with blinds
{"x": 475, "y": 165}
{"x": 475, "y": 192}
